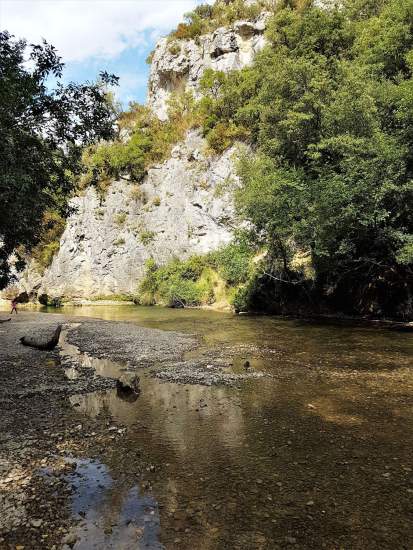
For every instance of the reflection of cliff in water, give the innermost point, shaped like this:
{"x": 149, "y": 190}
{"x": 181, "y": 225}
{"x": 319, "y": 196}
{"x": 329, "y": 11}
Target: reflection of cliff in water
{"x": 172, "y": 412}
{"x": 292, "y": 457}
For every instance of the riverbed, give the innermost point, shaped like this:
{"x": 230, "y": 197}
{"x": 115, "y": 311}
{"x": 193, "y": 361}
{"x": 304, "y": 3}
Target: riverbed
{"x": 261, "y": 433}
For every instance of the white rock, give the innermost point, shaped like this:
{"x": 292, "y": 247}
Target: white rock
{"x": 225, "y": 49}
{"x": 100, "y": 256}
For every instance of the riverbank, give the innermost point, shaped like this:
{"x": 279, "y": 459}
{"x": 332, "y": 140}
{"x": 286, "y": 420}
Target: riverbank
{"x": 40, "y": 430}
{"x": 302, "y": 456}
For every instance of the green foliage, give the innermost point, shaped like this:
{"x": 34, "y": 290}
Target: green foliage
{"x": 114, "y": 298}
{"x": 142, "y": 141}
{"x": 120, "y": 218}
{"x": 200, "y": 280}
{"x": 206, "y": 18}
{"x": 328, "y": 105}
{"x": 43, "y": 129}
{"x": 146, "y": 237}
{"x": 174, "y": 48}
{"x": 179, "y": 283}
{"x": 149, "y": 59}
{"x": 233, "y": 263}
{"x": 119, "y": 242}
{"x": 49, "y": 244}
{"x": 223, "y": 136}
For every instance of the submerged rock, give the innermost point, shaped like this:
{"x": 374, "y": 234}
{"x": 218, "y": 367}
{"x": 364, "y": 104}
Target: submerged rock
{"x": 127, "y": 387}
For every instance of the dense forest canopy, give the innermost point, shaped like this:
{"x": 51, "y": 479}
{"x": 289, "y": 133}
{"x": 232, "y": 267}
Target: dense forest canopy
{"x": 42, "y": 132}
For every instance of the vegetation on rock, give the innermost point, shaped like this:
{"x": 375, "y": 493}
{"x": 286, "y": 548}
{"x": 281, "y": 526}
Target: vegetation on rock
{"x": 46, "y": 248}
{"x": 142, "y": 140}
{"x": 206, "y": 18}
{"x": 327, "y": 185}
{"x": 328, "y": 108}
{"x": 200, "y": 280}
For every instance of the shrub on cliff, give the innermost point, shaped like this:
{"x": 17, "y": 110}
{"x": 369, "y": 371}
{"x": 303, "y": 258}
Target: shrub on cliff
{"x": 142, "y": 140}
{"x": 200, "y": 280}
{"x": 206, "y": 18}
{"x": 49, "y": 244}
{"x": 176, "y": 284}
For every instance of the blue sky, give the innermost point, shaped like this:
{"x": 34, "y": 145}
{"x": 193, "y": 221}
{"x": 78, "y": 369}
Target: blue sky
{"x": 96, "y": 35}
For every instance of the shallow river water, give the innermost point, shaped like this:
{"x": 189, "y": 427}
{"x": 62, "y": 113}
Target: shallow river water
{"x": 315, "y": 454}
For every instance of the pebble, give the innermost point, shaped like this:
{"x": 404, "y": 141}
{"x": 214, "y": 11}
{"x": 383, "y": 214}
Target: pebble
{"x": 36, "y": 522}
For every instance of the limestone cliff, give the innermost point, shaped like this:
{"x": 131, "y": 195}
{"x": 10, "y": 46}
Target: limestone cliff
{"x": 180, "y": 64}
{"x": 184, "y": 206}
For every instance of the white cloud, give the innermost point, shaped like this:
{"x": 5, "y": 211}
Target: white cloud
{"x": 84, "y": 29}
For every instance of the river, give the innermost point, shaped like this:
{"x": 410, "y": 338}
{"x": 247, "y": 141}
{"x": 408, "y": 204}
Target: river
{"x": 315, "y": 454}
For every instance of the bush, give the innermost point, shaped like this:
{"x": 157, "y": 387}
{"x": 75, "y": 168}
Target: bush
{"x": 44, "y": 252}
{"x": 234, "y": 263}
{"x": 137, "y": 194}
{"x": 146, "y": 237}
{"x": 143, "y": 140}
{"x": 199, "y": 280}
{"x": 206, "y": 18}
{"x": 224, "y": 135}
{"x": 178, "y": 283}
{"x": 119, "y": 242}
{"x": 120, "y": 218}
{"x": 174, "y": 48}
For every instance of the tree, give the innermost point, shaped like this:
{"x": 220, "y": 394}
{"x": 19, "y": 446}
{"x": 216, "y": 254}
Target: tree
{"x": 329, "y": 109}
{"x": 42, "y": 132}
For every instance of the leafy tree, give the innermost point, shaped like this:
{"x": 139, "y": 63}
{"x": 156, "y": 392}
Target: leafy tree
{"x": 328, "y": 105}
{"x": 43, "y": 131}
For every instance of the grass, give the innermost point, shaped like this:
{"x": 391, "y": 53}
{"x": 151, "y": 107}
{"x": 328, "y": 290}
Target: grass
{"x": 119, "y": 242}
{"x": 120, "y": 219}
{"x": 206, "y": 18}
{"x": 113, "y": 298}
{"x": 146, "y": 237}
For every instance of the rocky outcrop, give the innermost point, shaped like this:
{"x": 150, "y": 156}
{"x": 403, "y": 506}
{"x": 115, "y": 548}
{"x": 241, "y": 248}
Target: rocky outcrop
{"x": 179, "y": 65}
{"x": 183, "y": 207}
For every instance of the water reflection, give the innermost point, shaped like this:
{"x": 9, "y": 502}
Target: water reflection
{"x": 72, "y": 357}
{"x": 305, "y": 458}
{"x": 110, "y": 518}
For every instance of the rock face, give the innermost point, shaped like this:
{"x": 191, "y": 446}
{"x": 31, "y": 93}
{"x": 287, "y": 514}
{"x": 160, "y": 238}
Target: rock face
{"x": 179, "y": 65}
{"x": 183, "y": 207}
